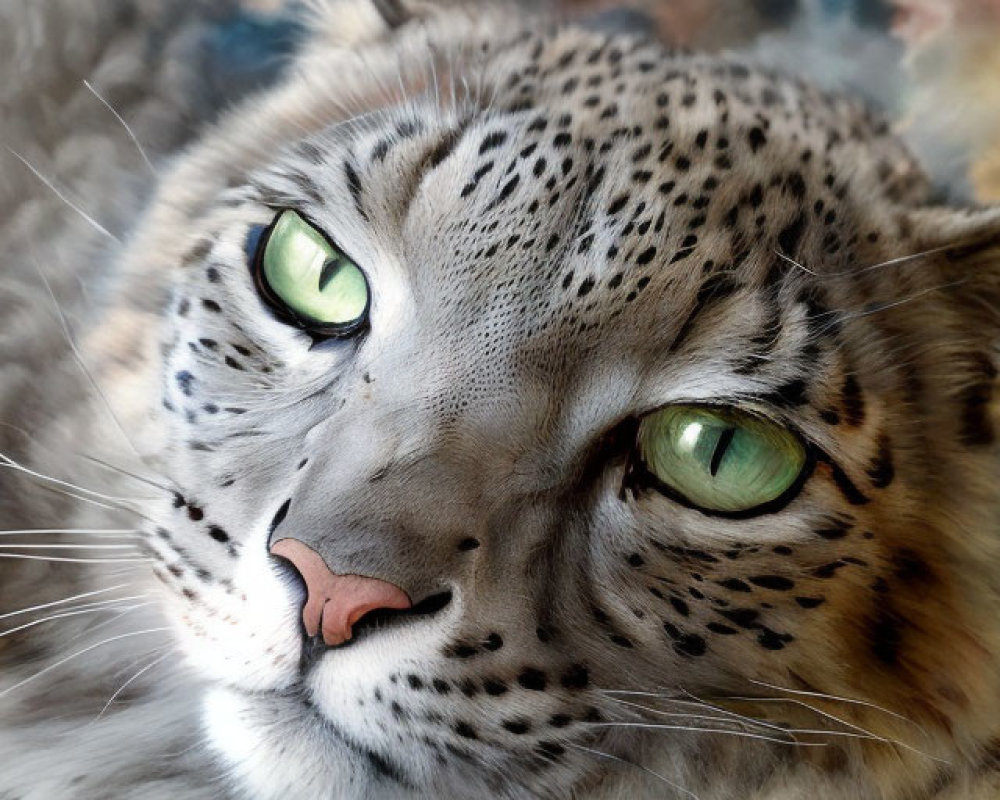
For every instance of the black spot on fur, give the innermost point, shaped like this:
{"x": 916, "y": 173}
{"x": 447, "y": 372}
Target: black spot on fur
{"x": 218, "y": 534}
{"x": 690, "y": 644}
{"x": 532, "y": 679}
{"x": 776, "y": 583}
{"x": 770, "y": 640}
{"x": 575, "y": 678}
{"x": 722, "y": 630}
{"x": 846, "y": 486}
{"x": 910, "y": 567}
{"x": 975, "y": 423}
{"x": 885, "y": 634}
{"x": 465, "y": 730}
{"x": 881, "y": 470}
{"x": 713, "y": 291}
{"x": 853, "y": 401}
{"x": 492, "y": 141}
{"x": 516, "y": 726}
{"x": 789, "y": 238}
{"x": 744, "y": 617}
{"x": 355, "y": 188}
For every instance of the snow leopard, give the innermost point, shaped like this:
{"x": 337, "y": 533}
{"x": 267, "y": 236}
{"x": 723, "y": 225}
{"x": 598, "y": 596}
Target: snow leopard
{"x": 481, "y": 403}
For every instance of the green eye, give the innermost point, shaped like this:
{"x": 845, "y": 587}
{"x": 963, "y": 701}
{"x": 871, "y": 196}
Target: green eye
{"x": 721, "y": 460}
{"x": 304, "y": 277}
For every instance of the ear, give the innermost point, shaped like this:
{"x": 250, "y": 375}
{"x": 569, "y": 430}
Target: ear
{"x": 965, "y": 243}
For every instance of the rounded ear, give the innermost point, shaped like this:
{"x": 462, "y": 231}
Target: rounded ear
{"x": 966, "y": 245}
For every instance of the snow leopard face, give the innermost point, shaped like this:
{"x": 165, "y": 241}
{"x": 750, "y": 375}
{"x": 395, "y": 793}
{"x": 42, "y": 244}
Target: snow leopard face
{"x": 592, "y": 364}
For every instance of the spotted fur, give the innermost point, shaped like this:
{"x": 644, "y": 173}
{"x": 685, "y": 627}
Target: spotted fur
{"x": 563, "y": 229}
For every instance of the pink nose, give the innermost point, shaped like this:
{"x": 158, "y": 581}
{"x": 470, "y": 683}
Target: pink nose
{"x": 336, "y": 602}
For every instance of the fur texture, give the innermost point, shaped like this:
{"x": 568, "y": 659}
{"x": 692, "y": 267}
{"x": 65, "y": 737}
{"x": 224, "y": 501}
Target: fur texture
{"x": 563, "y": 230}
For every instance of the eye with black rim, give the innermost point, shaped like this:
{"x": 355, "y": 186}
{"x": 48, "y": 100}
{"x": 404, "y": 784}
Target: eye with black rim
{"x": 306, "y": 279}
{"x": 722, "y": 461}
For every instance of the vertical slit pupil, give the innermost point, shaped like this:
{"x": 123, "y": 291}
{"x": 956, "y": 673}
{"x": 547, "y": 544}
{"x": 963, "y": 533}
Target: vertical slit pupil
{"x": 721, "y": 446}
{"x": 329, "y": 271}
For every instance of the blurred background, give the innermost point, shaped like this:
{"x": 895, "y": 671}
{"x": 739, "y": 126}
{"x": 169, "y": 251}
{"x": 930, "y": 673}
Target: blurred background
{"x": 932, "y": 65}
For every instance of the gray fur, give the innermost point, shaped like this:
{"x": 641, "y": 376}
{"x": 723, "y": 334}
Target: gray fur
{"x": 545, "y": 269}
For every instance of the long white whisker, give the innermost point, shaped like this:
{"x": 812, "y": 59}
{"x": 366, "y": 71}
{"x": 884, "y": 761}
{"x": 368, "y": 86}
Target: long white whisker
{"x": 111, "y": 533}
{"x": 9, "y": 463}
{"x": 128, "y": 683}
{"x": 704, "y": 704}
{"x": 89, "y": 500}
{"x": 77, "y": 654}
{"x": 64, "y": 601}
{"x": 125, "y": 472}
{"x": 74, "y": 612}
{"x": 723, "y": 717}
{"x": 25, "y": 557}
{"x": 125, "y": 125}
{"x": 862, "y": 270}
{"x": 56, "y": 191}
{"x": 21, "y": 546}
{"x": 694, "y": 729}
{"x": 822, "y": 696}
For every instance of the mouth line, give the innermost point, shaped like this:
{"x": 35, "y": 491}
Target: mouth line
{"x": 378, "y": 620}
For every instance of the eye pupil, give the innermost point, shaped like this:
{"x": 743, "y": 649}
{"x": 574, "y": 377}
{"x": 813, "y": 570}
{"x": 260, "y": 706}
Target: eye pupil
{"x": 328, "y": 273}
{"x": 721, "y": 448}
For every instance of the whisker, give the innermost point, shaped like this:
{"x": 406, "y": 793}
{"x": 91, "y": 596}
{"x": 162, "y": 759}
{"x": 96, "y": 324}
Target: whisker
{"x": 111, "y": 504}
{"x": 77, "y": 654}
{"x": 724, "y": 711}
{"x": 89, "y": 500}
{"x": 694, "y": 729}
{"x": 125, "y": 125}
{"x": 56, "y": 191}
{"x": 25, "y": 557}
{"x": 75, "y": 612}
{"x": 128, "y": 683}
{"x": 100, "y": 532}
{"x": 64, "y": 600}
{"x": 621, "y": 760}
{"x": 871, "y": 267}
{"x": 822, "y": 696}
{"x": 9, "y": 463}
{"x": 125, "y": 472}
{"x": 817, "y": 711}
{"x": 724, "y": 717}
{"x": 21, "y": 546}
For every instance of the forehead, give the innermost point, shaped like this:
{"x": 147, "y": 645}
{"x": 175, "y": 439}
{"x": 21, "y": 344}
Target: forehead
{"x": 595, "y": 190}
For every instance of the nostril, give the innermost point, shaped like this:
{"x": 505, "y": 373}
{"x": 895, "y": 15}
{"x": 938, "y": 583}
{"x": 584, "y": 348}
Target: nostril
{"x": 335, "y": 603}
{"x": 386, "y": 617}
